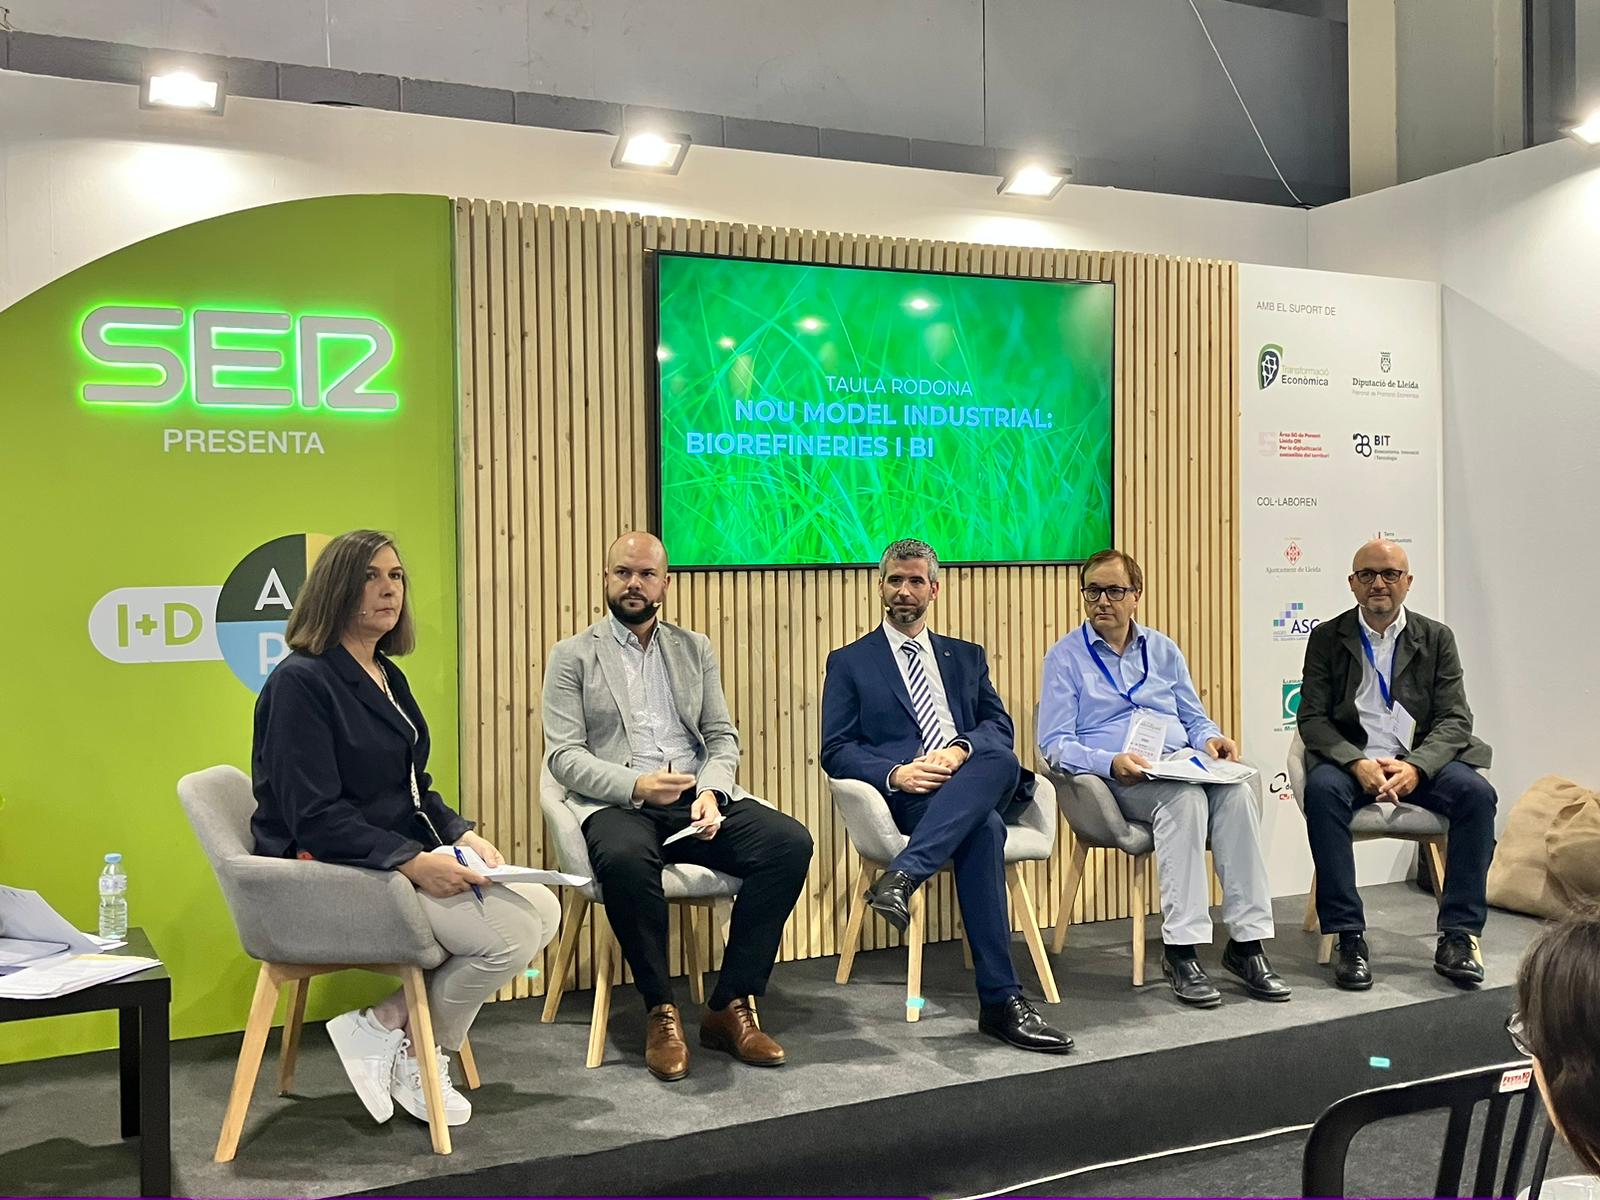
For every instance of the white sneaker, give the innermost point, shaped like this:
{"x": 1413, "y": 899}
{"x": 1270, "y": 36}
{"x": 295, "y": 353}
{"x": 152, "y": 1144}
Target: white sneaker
{"x": 405, "y": 1088}
{"x": 367, "y": 1051}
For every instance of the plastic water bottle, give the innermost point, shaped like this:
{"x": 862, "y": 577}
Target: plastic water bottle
{"x": 114, "y": 899}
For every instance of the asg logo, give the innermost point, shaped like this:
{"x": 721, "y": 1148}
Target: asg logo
{"x": 1269, "y": 365}
{"x": 1365, "y": 443}
{"x": 1288, "y": 716}
{"x": 1292, "y": 624}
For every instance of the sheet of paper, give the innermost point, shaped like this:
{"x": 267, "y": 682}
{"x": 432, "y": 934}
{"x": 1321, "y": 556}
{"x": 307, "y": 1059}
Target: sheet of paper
{"x": 59, "y": 977}
{"x": 686, "y": 831}
{"x": 1192, "y": 767}
{"x": 26, "y": 915}
{"x": 513, "y": 874}
{"x": 16, "y": 952}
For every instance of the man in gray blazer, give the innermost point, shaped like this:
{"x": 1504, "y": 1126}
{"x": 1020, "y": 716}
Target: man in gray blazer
{"x": 1384, "y": 717}
{"x": 636, "y": 728}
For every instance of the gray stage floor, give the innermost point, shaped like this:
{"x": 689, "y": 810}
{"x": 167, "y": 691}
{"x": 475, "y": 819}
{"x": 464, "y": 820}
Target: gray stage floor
{"x": 845, "y": 1044}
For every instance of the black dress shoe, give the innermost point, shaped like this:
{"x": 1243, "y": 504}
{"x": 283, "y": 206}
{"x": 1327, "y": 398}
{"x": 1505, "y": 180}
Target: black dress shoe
{"x": 1352, "y": 971}
{"x": 1190, "y": 983}
{"x": 890, "y": 897}
{"x": 1016, "y": 1021}
{"x": 1259, "y": 979}
{"x": 1457, "y": 960}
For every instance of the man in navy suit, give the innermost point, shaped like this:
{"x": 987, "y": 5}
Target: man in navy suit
{"x": 914, "y": 715}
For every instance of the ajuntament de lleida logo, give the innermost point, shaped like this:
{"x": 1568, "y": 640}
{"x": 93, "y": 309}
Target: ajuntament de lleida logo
{"x": 1268, "y": 363}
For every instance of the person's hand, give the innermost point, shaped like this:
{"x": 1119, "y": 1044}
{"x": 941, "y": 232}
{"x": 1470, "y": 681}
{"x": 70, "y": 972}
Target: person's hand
{"x": 950, "y": 756}
{"x": 707, "y": 813}
{"x": 1224, "y": 748}
{"x": 1400, "y": 779}
{"x": 1129, "y": 768}
{"x": 482, "y": 847}
{"x": 1369, "y": 775}
{"x": 441, "y": 875}
{"x": 661, "y": 788}
{"x": 919, "y": 776}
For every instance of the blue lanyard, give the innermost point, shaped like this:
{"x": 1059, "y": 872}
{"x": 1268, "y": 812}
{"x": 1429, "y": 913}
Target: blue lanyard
{"x": 1144, "y": 653}
{"x": 1383, "y": 684}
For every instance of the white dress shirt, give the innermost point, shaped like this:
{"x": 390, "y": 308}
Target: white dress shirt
{"x": 1376, "y": 718}
{"x": 659, "y": 737}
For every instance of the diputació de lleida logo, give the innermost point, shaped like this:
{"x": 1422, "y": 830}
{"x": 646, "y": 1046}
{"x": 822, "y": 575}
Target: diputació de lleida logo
{"x": 241, "y": 622}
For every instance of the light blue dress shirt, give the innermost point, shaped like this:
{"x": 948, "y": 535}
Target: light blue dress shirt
{"x": 1084, "y": 720}
{"x": 660, "y": 738}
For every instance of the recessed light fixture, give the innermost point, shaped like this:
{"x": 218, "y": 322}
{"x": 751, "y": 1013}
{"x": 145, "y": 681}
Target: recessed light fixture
{"x": 183, "y": 89}
{"x": 1035, "y": 180}
{"x": 1588, "y": 132}
{"x": 650, "y": 150}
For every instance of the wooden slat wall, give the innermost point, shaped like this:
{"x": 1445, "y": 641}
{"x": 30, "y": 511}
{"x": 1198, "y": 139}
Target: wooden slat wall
{"x": 555, "y": 390}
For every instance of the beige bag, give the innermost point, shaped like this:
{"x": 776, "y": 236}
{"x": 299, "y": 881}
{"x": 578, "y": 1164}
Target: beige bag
{"x": 1549, "y": 854}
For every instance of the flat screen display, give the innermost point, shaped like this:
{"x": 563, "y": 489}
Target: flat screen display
{"x": 810, "y": 414}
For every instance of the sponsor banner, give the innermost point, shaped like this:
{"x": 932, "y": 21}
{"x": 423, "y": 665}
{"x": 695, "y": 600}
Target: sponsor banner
{"x": 1339, "y": 444}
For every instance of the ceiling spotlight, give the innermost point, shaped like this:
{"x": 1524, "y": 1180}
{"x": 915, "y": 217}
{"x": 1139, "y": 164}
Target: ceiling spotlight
{"x": 182, "y": 89}
{"x": 650, "y": 150}
{"x": 1588, "y": 132}
{"x": 1035, "y": 180}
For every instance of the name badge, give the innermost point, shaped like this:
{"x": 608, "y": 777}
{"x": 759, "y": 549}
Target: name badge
{"x": 1403, "y": 724}
{"x": 1147, "y": 735}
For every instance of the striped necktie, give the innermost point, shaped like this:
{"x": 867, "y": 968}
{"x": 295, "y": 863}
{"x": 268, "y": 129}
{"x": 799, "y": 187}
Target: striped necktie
{"x": 921, "y": 697}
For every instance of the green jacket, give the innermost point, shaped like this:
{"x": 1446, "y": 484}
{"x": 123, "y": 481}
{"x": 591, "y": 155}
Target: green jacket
{"x": 1427, "y": 680}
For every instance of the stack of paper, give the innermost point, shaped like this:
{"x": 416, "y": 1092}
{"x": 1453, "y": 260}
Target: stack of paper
{"x": 1192, "y": 767}
{"x": 511, "y": 874}
{"x": 71, "y": 973}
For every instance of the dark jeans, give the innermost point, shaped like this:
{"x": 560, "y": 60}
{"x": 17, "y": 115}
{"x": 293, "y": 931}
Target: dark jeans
{"x": 766, "y": 849}
{"x": 960, "y": 823}
{"x": 1457, "y": 792}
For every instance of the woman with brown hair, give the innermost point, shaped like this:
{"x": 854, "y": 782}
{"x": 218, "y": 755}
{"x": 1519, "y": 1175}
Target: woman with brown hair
{"x": 1558, "y": 1026}
{"x": 340, "y": 775}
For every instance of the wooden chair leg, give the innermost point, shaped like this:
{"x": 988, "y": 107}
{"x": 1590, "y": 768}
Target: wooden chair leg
{"x": 852, "y": 929}
{"x": 915, "y": 933}
{"x": 1138, "y": 906}
{"x": 1069, "y": 894}
{"x": 605, "y": 943}
{"x": 256, "y": 1029}
{"x": 421, "y": 1029}
{"x": 1311, "y": 924}
{"x": 1028, "y": 915}
{"x": 577, "y": 904}
{"x": 690, "y": 934}
{"x": 1436, "y": 861}
{"x": 294, "y": 1017}
{"x": 1325, "y": 949}
{"x": 469, "y": 1065}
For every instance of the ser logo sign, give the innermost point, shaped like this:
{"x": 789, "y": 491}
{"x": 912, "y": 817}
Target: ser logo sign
{"x": 236, "y": 359}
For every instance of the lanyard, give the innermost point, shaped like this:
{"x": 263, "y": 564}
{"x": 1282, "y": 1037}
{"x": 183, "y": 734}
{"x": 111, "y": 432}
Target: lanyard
{"x": 1383, "y": 684}
{"x": 1144, "y": 654}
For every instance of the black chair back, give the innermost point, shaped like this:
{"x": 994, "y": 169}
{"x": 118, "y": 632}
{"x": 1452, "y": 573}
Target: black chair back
{"x": 1461, "y": 1093}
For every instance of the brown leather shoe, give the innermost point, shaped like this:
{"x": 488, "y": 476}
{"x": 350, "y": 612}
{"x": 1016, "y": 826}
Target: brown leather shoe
{"x": 665, "y": 1051}
{"x": 734, "y": 1029}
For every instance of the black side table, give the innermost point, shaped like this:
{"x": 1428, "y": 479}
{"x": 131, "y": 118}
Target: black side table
{"x": 142, "y": 1002}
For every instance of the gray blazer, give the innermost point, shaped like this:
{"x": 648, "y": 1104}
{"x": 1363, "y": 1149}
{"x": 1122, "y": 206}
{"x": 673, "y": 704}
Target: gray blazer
{"x": 586, "y": 715}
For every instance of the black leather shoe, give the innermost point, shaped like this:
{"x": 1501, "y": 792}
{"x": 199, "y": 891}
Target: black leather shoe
{"x": 1016, "y": 1021}
{"x": 1457, "y": 959}
{"x": 1259, "y": 979}
{"x": 1351, "y": 971}
{"x": 890, "y": 897}
{"x": 1190, "y": 983}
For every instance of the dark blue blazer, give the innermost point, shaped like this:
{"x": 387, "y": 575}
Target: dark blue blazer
{"x": 331, "y": 764}
{"x": 868, "y": 724}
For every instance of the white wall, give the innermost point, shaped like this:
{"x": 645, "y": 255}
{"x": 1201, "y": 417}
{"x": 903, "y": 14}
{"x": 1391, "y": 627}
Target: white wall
{"x": 83, "y": 171}
{"x": 1516, "y": 243}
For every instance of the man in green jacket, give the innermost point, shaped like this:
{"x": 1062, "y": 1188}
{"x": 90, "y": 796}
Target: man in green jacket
{"x": 1384, "y": 718}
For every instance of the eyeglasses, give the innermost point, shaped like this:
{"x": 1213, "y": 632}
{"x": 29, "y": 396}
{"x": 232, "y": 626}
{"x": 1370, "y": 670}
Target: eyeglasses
{"x": 1518, "y": 1033}
{"x": 1115, "y": 594}
{"x": 1366, "y": 575}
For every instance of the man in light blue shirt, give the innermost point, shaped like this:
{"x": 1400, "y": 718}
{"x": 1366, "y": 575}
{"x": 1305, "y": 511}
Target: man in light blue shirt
{"x": 1116, "y": 698}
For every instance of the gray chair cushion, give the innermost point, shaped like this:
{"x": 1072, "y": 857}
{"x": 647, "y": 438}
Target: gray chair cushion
{"x": 873, "y": 833}
{"x": 289, "y": 911}
{"x": 1406, "y": 821}
{"x": 680, "y": 881}
{"x": 1092, "y": 814}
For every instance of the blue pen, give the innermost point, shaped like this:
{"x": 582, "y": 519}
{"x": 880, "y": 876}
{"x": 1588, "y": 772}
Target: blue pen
{"x": 462, "y": 859}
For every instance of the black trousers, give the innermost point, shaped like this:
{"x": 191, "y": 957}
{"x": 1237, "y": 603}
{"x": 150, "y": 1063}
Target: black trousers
{"x": 769, "y": 851}
{"x": 1457, "y": 792}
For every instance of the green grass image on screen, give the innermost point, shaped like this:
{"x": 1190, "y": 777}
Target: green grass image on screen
{"x": 812, "y": 414}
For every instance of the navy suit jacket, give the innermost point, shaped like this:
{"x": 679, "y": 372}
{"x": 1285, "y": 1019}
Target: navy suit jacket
{"x": 331, "y": 766}
{"x": 868, "y": 724}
